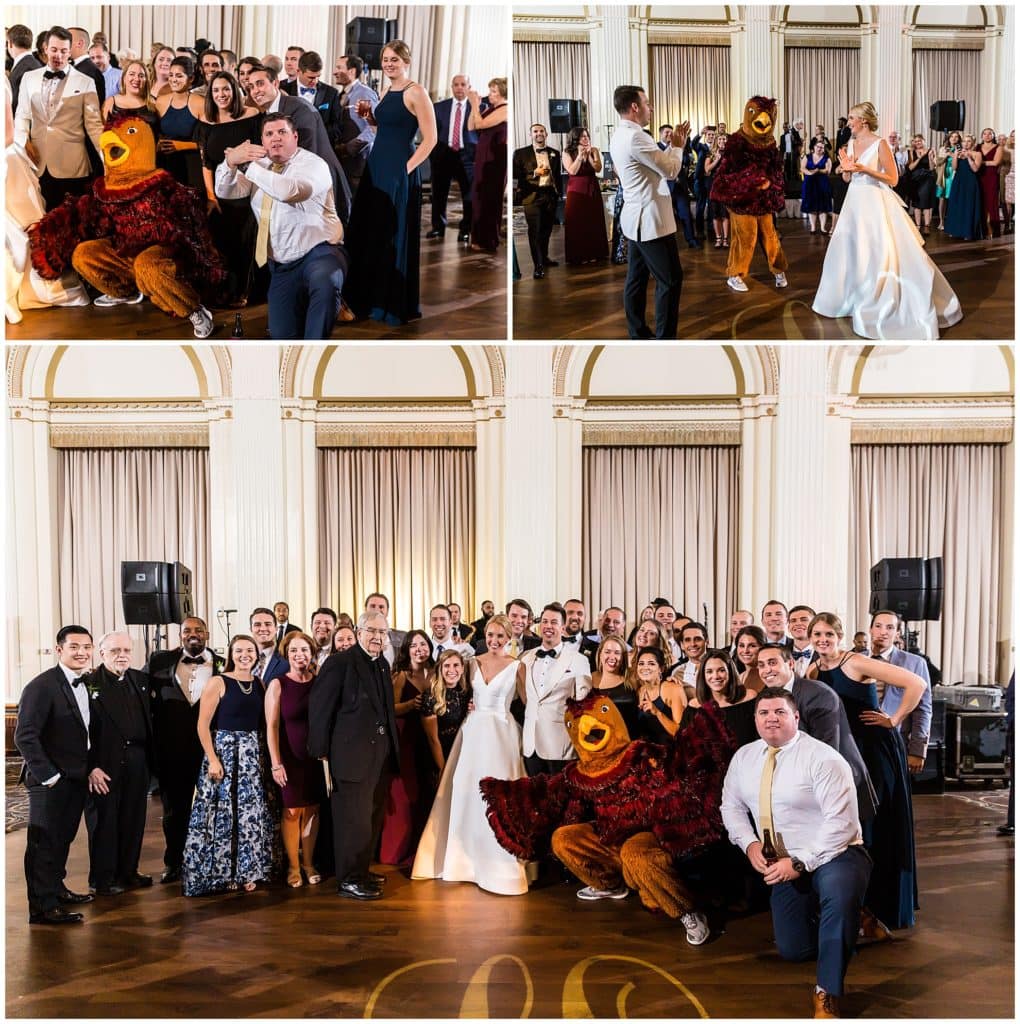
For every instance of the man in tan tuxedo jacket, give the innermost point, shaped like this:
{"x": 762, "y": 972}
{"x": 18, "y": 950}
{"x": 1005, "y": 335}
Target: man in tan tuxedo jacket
{"x": 57, "y": 118}
{"x": 547, "y": 676}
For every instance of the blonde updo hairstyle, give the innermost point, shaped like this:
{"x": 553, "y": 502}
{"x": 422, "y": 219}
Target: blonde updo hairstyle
{"x": 400, "y": 48}
{"x": 867, "y": 113}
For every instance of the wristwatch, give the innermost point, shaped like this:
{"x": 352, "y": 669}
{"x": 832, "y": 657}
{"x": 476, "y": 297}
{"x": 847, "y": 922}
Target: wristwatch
{"x": 798, "y": 865}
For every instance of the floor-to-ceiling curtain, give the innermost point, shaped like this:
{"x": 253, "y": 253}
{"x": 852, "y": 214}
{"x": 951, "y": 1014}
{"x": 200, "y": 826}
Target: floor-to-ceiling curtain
{"x": 822, "y": 84}
{"x": 138, "y": 26}
{"x": 912, "y": 501}
{"x": 545, "y": 71}
{"x": 400, "y": 521}
{"x": 661, "y": 522}
{"x": 946, "y": 75}
{"x": 129, "y": 504}
{"x": 690, "y": 83}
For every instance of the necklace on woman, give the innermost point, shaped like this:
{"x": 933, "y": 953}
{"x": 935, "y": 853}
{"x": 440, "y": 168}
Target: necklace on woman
{"x": 240, "y": 686}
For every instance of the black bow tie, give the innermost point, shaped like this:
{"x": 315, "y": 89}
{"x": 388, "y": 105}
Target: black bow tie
{"x": 54, "y": 74}
{"x": 803, "y": 654}
{"x": 77, "y": 681}
{"x": 192, "y": 661}
{"x": 542, "y": 653}
{"x": 570, "y": 639}
{"x": 540, "y": 149}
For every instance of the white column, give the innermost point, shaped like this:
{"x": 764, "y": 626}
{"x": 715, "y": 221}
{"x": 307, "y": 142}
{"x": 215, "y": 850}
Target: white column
{"x": 760, "y": 68}
{"x": 493, "y": 479}
{"x": 890, "y": 82}
{"x": 615, "y": 53}
{"x": 1003, "y": 46}
{"x": 756, "y": 497}
{"x": 568, "y": 429}
{"x": 298, "y": 577}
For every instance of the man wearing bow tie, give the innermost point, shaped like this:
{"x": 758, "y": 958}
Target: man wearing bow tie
{"x": 797, "y": 622}
{"x": 573, "y": 631}
{"x": 177, "y": 679}
{"x": 546, "y": 677}
{"x": 453, "y": 159}
{"x": 57, "y": 117}
{"x": 320, "y": 96}
{"x": 537, "y": 185}
{"x": 52, "y": 735}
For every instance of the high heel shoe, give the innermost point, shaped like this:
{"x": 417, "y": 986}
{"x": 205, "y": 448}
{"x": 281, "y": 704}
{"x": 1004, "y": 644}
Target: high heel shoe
{"x": 294, "y": 878}
{"x": 314, "y": 878}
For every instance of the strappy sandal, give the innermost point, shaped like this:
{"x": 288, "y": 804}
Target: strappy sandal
{"x": 294, "y": 878}
{"x": 314, "y": 878}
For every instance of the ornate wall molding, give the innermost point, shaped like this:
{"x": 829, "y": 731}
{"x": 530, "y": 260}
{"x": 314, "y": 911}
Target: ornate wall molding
{"x": 394, "y": 435}
{"x": 17, "y": 356}
{"x": 688, "y": 433}
{"x": 984, "y": 431}
{"x": 129, "y": 435}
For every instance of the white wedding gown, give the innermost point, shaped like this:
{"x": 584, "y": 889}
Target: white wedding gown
{"x": 876, "y": 269}
{"x": 458, "y": 845}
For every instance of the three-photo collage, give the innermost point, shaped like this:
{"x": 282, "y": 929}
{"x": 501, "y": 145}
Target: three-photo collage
{"x": 510, "y": 511}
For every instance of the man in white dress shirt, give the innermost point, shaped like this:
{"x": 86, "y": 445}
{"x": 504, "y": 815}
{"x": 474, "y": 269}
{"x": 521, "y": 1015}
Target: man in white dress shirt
{"x": 647, "y": 218}
{"x": 802, "y": 792}
{"x": 774, "y": 620}
{"x": 442, "y": 637}
{"x": 797, "y": 622}
{"x": 299, "y": 232}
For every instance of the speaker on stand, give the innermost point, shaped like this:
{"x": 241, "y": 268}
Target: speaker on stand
{"x": 155, "y": 594}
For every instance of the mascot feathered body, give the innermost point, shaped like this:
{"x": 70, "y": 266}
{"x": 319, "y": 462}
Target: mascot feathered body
{"x": 749, "y": 183}
{"x": 139, "y": 229}
{"x": 626, "y": 809}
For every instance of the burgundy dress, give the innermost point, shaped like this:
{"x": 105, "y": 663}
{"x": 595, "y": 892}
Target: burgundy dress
{"x": 305, "y": 784}
{"x": 488, "y": 194}
{"x": 584, "y": 227}
{"x": 988, "y": 179}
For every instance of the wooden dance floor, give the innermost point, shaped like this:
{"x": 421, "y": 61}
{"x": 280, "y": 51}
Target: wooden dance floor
{"x": 586, "y": 303}
{"x": 463, "y": 297}
{"x": 443, "y": 950}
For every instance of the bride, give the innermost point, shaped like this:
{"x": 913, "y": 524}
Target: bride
{"x": 876, "y": 269}
{"x": 458, "y": 845}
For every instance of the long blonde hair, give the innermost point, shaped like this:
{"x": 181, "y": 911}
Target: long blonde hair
{"x": 437, "y": 685}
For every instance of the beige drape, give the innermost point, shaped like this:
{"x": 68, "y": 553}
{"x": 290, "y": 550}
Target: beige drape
{"x": 128, "y": 504}
{"x": 946, "y": 75}
{"x": 822, "y": 84}
{"x": 661, "y": 522}
{"x": 400, "y": 521}
{"x": 545, "y": 71}
{"x": 911, "y": 501}
{"x": 138, "y": 26}
{"x": 689, "y": 83}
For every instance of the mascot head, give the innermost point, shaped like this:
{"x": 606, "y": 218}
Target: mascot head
{"x": 597, "y": 731}
{"x": 129, "y": 151}
{"x": 759, "y": 121}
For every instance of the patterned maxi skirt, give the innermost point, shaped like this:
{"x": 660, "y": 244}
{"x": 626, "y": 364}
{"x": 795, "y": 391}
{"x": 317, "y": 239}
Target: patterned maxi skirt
{"x": 230, "y": 835}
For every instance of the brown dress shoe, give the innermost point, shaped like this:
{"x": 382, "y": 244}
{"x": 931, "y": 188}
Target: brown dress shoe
{"x": 826, "y": 1006}
{"x": 872, "y": 928}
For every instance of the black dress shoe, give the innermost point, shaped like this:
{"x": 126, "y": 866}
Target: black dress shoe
{"x": 539, "y": 273}
{"x": 1005, "y": 830}
{"x": 55, "y": 916}
{"x": 464, "y": 236}
{"x": 170, "y": 875}
{"x": 434, "y": 233}
{"x": 354, "y": 890}
{"x": 375, "y": 877}
{"x": 552, "y": 263}
{"x": 107, "y": 890}
{"x": 68, "y": 897}
{"x": 137, "y": 881}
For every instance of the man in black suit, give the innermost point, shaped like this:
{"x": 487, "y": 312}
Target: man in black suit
{"x": 537, "y": 184}
{"x": 281, "y": 610}
{"x": 121, "y": 752}
{"x": 478, "y": 626}
{"x": 774, "y": 620}
{"x": 271, "y": 663}
{"x": 352, "y": 727}
{"x": 842, "y": 136}
{"x": 176, "y": 680}
{"x": 573, "y": 630}
{"x": 356, "y": 135}
{"x": 317, "y": 94}
{"x": 83, "y": 62}
{"x": 453, "y": 159}
{"x": 265, "y": 93}
{"x": 19, "y": 46}
{"x": 52, "y": 735}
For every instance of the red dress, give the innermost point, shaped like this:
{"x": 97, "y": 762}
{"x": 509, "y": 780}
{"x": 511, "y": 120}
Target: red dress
{"x": 988, "y": 179}
{"x": 488, "y": 193}
{"x": 584, "y": 227}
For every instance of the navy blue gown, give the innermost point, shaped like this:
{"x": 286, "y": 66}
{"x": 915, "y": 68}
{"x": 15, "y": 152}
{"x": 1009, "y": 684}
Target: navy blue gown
{"x": 385, "y": 230}
{"x": 889, "y": 836}
{"x": 964, "y": 218}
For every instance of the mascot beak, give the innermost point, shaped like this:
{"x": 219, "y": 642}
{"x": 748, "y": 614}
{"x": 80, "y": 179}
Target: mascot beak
{"x": 114, "y": 150}
{"x": 592, "y": 734}
{"x": 762, "y": 123}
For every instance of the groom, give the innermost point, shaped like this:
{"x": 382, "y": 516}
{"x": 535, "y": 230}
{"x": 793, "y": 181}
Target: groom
{"x": 647, "y": 219}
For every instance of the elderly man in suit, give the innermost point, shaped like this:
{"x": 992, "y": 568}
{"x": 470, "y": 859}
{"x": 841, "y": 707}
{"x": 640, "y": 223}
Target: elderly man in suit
{"x": 52, "y": 735}
{"x": 356, "y": 135}
{"x": 57, "y": 118}
{"x": 537, "y": 171}
{"x": 647, "y": 218}
{"x": 453, "y": 159}
{"x": 122, "y": 754}
{"x": 546, "y": 677}
{"x": 317, "y": 94}
{"x": 353, "y": 729}
{"x": 19, "y": 47}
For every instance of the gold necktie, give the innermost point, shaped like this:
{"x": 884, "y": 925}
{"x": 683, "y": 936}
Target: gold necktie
{"x": 265, "y": 213}
{"x": 513, "y": 647}
{"x": 765, "y": 794}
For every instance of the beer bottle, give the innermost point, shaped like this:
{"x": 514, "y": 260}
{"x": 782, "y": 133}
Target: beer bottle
{"x": 768, "y": 849}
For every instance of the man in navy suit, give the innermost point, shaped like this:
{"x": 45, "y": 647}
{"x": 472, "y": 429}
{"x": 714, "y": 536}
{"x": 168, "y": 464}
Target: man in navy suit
{"x": 52, "y": 735}
{"x": 322, "y": 97}
{"x": 271, "y": 663}
{"x": 678, "y": 187}
{"x": 453, "y": 158}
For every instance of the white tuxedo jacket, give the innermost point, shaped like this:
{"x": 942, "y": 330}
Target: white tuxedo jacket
{"x": 545, "y": 733}
{"x": 644, "y": 171}
{"x": 60, "y": 140}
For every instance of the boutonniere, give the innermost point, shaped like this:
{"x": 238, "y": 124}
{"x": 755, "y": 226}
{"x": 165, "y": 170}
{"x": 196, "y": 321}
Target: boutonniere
{"x": 92, "y": 685}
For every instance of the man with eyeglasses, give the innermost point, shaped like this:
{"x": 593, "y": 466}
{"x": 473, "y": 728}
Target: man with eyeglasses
{"x": 353, "y": 730}
{"x": 52, "y": 735}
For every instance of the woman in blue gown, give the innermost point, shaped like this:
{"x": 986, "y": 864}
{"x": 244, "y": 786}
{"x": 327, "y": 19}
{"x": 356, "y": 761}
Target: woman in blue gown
{"x": 964, "y": 217}
{"x": 889, "y": 836}
{"x": 385, "y": 229}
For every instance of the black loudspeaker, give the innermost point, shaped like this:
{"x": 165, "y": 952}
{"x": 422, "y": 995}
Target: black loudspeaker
{"x": 567, "y": 114}
{"x": 365, "y": 39}
{"x": 947, "y": 116}
{"x": 933, "y": 599}
{"x": 392, "y": 31}
{"x": 155, "y": 593}
{"x": 937, "y": 732}
{"x": 899, "y": 574}
{"x": 908, "y": 604}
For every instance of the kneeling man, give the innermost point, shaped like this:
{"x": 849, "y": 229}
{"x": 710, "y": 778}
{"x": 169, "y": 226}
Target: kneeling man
{"x": 299, "y": 232}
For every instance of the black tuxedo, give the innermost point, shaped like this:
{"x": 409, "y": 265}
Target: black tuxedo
{"x": 539, "y": 202}
{"x": 449, "y": 165}
{"x": 842, "y": 138}
{"x": 52, "y": 738}
{"x": 282, "y": 631}
{"x": 27, "y": 63}
{"x": 352, "y": 724}
{"x": 326, "y": 101}
{"x": 121, "y": 734}
{"x": 791, "y": 160}
{"x": 177, "y": 747}
{"x": 88, "y": 67}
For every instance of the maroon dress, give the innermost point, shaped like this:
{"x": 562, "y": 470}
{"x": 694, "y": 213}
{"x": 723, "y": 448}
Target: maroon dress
{"x": 488, "y": 193}
{"x": 305, "y": 784}
{"x": 988, "y": 179}
{"x": 584, "y": 229}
